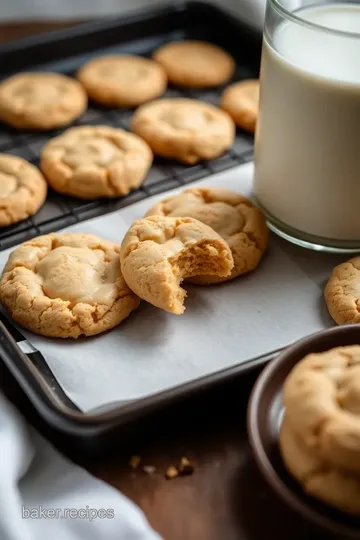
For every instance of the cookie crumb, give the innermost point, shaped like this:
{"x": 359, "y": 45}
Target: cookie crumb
{"x": 149, "y": 469}
{"x": 185, "y": 467}
{"x": 171, "y": 472}
{"x": 134, "y": 462}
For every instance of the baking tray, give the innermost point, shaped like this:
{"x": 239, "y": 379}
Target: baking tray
{"x": 65, "y": 51}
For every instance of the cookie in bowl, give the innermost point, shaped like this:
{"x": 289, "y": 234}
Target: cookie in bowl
{"x": 320, "y": 435}
{"x": 303, "y": 426}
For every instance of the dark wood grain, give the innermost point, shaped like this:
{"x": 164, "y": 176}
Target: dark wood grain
{"x": 19, "y": 30}
{"x": 225, "y": 498}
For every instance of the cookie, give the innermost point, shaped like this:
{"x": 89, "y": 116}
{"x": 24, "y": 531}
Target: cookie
{"x": 158, "y": 253}
{"x": 322, "y": 402}
{"x": 195, "y": 64}
{"x": 184, "y": 129}
{"x": 342, "y": 292}
{"x": 22, "y": 189}
{"x": 66, "y": 286}
{"x": 95, "y": 161}
{"x": 122, "y": 81}
{"x": 241, "y": 101}
{"x": 231, "y": 215}
{"x": 319, "y": 479}
{"x": 41, "y": 100}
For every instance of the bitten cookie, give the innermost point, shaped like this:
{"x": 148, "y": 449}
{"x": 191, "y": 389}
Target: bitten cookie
{"x": 241, "y": 101}
{"x": 342, "y": 292}
{"x": 41, "y": 100}
{"x": 195, "y": 64}
{"x": 317, "y": 477}
{"x": 231, "y": 215}
{"x": 66, "y": 285}
{"x": 158, "y": 253}
{"x": 184, "y": 129}
{"x": 95, "y": 161}
{"x": 122, "y": 81}
{"x": 22, "y": 189}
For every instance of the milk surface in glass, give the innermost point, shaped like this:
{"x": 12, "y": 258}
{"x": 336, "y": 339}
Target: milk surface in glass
{"x": 307, "y": 154}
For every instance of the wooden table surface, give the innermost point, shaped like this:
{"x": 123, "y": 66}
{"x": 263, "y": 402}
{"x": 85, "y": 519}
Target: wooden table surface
{"x": 225, "y": 498}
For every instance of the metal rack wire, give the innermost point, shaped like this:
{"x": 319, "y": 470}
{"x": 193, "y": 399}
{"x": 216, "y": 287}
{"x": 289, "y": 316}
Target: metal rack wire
{"x": 61, "y": 211}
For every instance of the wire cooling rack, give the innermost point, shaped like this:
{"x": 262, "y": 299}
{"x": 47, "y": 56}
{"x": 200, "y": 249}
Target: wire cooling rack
{"x": 61, "y": 211}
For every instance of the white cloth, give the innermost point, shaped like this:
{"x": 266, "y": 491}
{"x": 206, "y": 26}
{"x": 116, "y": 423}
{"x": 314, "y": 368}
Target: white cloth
{"x": 34, "y": 477}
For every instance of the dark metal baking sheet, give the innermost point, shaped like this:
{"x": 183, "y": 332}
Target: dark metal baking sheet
{"x": 65, "y": 51}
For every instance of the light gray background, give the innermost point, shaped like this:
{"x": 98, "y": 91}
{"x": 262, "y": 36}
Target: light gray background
{"x": 10, "y": 10}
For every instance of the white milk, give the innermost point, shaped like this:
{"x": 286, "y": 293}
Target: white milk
{"x": 308, "y": 138}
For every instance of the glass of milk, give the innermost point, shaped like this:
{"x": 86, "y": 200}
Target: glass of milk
{"x": 307, "y": 151}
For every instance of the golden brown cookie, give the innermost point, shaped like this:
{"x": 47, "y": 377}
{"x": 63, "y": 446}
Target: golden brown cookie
{"x": 231, "y": 215}
{"x": 195, "y": 64}
{"x": 122, "y": 80}
{"x": 95, "y": 161}
{"x": 322, "y": 402}
{"x": 41, "y": 100}
{"x": 158, "y": 253}
{"x": 342, "y": 292}
{"x": 184, "y": 129}
{"x": 241, "y": 101}
{"x": 317, "y": 477}
{"x": 22, "y": 189}
{"x": 66, "y": 285}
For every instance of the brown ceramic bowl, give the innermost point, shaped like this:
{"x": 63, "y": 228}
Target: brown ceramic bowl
{"x": 264, "y": 419}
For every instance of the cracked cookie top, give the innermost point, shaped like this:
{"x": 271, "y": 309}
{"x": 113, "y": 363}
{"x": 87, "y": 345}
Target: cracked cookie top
{"x": 22, "y": 189}
{"x": 342, "y": 292}
{"x": 231, "y": 215}
{"x": 95, "y": 161}
{"x": 66, "y": 285}
{"x": 322, "y": 402}
{"x": 41, "y": 100}
{"x": 159, "y": 252}
{"x": 317, "y": 476}
{"x": 122, "y": 80}
{"x": 185, "y": 129}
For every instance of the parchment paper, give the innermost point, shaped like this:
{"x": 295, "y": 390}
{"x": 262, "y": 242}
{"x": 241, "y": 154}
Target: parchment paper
{"x": 223, "y": 325}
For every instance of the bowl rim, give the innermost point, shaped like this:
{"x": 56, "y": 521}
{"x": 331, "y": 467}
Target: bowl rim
{"x": 256, "y": 442}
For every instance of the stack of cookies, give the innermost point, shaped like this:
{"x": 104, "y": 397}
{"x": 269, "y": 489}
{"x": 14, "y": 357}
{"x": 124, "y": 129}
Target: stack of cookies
{"x": 71, "y": 285}
{"x": 101, "y": 161}
{"x": 320, "y": 433}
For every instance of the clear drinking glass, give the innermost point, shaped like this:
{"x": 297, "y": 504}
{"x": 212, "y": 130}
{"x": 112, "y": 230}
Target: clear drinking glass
{"x": 307, "y": 151}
